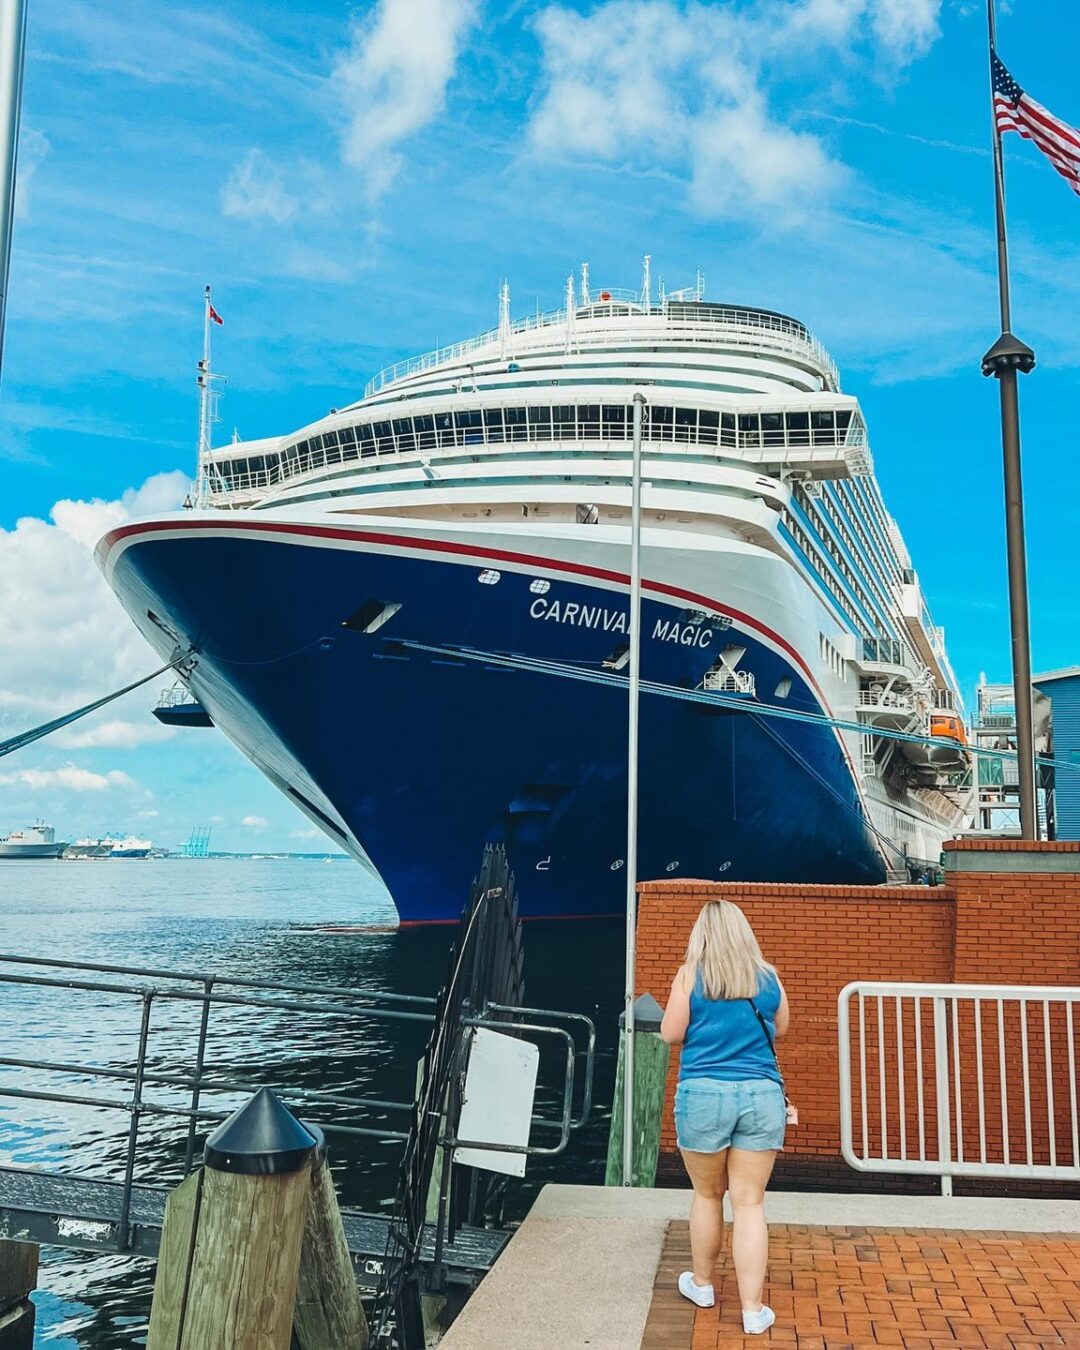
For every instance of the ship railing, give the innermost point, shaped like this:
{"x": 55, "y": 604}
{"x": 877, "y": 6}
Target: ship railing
{"x": 178, "y": 1066}
{"x": 886, "y": 701}
{"x": 583, "y": 436}
{"x": 960, "y": 1080}
{"x": 742, "y": 327}
{"x": 730, "y": 682}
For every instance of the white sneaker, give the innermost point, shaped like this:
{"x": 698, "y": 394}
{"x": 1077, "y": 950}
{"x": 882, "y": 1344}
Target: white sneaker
{"x": 755, "y": 1323}
{"x": 701, "y": 1294}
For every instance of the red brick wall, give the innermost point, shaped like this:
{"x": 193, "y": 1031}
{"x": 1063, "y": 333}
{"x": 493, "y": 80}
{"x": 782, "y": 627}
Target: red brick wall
{"x": 1009, "y": 927}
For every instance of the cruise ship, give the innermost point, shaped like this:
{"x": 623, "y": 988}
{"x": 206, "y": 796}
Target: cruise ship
{"x": 412, "y": 614}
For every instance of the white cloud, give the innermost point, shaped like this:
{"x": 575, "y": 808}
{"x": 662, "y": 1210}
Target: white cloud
{"x": 113, "y": 735}
{"x": 254, "y": 822}
{"x": 70, "y": 776}
{"x": 33, "y": 148}
{"x": 255, "y": 189}
{"x": 393, "y": 79}
{"x": 149, "y": 815}
{"x": 305, "y": 834}
{"x": 65, "y": 640}
{"x": 217, "y": 820}
{"x": 690, "y": 85}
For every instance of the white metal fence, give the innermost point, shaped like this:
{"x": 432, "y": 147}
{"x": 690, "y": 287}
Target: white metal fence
{"x": 960, "y": 1080}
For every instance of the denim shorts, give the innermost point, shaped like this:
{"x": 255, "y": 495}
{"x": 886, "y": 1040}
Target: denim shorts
{"x": 711, "y": 1115}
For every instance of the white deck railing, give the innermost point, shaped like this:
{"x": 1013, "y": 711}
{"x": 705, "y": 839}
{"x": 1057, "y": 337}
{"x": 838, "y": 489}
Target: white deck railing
{"x": 711, "y": 324}
{"x": 960, "y": 1080}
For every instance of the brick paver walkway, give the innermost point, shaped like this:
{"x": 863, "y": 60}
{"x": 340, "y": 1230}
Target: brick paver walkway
{"x": 854, "y": 1288}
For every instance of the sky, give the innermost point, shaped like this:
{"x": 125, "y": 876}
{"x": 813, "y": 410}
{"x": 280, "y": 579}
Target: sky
{"x": 355, "y": 181}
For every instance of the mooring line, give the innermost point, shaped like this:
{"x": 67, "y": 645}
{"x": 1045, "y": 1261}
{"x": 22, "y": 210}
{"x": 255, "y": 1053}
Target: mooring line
{"x": 36, "y": 733}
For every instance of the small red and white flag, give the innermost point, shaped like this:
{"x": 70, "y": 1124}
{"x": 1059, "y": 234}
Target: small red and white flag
{"x": 214, "y": 314}
{"x": 1015, "y": 111}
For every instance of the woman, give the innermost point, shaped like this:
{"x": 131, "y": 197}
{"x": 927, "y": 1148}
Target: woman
{"x": 726, "y": 1007}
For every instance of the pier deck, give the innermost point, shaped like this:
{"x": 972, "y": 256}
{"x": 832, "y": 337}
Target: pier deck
{"x": 594, "y": 1269}
{"x": 85, "y": 1214}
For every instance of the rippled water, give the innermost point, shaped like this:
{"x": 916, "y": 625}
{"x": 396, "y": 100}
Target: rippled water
{"x": 239, "y": 918}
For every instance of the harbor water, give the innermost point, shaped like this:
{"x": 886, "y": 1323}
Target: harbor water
{"x": 258, "y": 919}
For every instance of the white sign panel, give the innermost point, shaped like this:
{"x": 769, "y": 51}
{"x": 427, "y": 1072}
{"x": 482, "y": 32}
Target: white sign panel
{"x": 500, "y": 1085}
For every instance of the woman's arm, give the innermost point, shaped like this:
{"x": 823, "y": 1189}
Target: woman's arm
{"x": 783, "y": 1013}
{"x": 677, "y": 1012}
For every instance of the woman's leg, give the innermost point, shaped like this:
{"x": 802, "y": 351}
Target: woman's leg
{"x": 708, "y": 1175}
{"x": 748, "y": 1175}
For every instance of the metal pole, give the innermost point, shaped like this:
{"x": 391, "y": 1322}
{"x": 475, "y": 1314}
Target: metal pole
{"x": 634, "y": 684}
{"x": 12, "y": 41}
{"x": 1004, "y": 359}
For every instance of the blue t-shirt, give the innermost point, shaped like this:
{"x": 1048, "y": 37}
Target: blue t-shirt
{"x": 724, "y": 1039}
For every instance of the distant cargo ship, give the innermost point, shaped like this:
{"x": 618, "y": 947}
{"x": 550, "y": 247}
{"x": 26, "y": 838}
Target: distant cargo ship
{"x": 131, "y": 848}
{"x": 423, "y": 638}
{"x": 36, "y": 841}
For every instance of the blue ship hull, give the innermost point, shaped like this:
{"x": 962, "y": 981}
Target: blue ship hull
{"x": 419, "y": 742}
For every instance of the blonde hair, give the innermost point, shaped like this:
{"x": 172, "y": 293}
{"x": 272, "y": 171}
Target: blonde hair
{"x": 724, "y": 952}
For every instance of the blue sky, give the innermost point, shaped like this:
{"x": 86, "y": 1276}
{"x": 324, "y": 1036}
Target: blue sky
{"x": 354, "y": 182}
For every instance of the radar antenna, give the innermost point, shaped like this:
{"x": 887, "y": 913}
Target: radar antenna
{"x": 585, "y": 300}
{"x": 646, "y": 283}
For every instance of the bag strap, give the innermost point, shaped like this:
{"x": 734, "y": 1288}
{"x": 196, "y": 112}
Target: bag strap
{"x": 771, "y": 1044}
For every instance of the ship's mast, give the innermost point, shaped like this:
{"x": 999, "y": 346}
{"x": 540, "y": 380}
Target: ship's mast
{"x": 646, "y": 283}
{"x": 207, "y": 407}
{"x": 585, "y": 300}
{"x": 570, "y": 313}
{"x": 505, "y": 331}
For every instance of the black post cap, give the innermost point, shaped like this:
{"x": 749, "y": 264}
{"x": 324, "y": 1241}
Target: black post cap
{"x": 263, "y": 1138}
{"x": 1008, "y": 352}
{"x": 648, "y": 1014}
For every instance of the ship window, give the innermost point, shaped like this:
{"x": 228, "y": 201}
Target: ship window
{"x": 589, "y": 421}
{"x": 750, "y": 428}
{"x": 425, "y": 431}
{"x": 404, "y": 433}
{"x": 384, "y": 440}
{"x": 821, "y": 424}
{"x": 615, "y": 420}
{"x": 563, "y": 417}
{"x": 727, "y": 429}
{"x": 367, "y": 440}
{"x": 493, "y": 424}
{"x": 685, "y": 424}
{"x": 798, "y": 428}
{"x": 540, "y": 422}
{"x": 708, "y": 426}
{"x": 843, "y": 419}
{"x": 444, "y": 427}
{"x": 660, "y": 423}
{"x": 347, "y": 435}
{"x": 516, "y": 427}
{"x": 772, "y": 428}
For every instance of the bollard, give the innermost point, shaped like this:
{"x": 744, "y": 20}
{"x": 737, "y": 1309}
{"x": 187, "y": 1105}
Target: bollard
{"x": 18, "y": 1277}
{"x": 229, "y": 1264}
{"x": 329, "y": 1314}
{"x": 651, "y": 1057}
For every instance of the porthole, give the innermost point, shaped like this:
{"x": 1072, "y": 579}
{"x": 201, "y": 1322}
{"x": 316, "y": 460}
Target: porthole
{"x": 539, "y": 586}
{"x": 488, "y": 577}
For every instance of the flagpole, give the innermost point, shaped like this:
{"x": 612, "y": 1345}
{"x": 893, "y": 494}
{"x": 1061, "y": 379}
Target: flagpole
{"x": 1005, "y": 358}
{"x": 12, "y": 40}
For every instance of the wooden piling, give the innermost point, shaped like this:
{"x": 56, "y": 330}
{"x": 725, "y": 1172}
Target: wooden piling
{"x": 230, "y": 1252}
{"x": 329, "y": 1314}
{"x": 651, "y": 1057}
{"x": 18, "y": 1277}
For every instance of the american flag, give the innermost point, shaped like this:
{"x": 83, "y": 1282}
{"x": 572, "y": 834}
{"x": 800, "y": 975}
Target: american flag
{"x": 1015, "y": 111}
